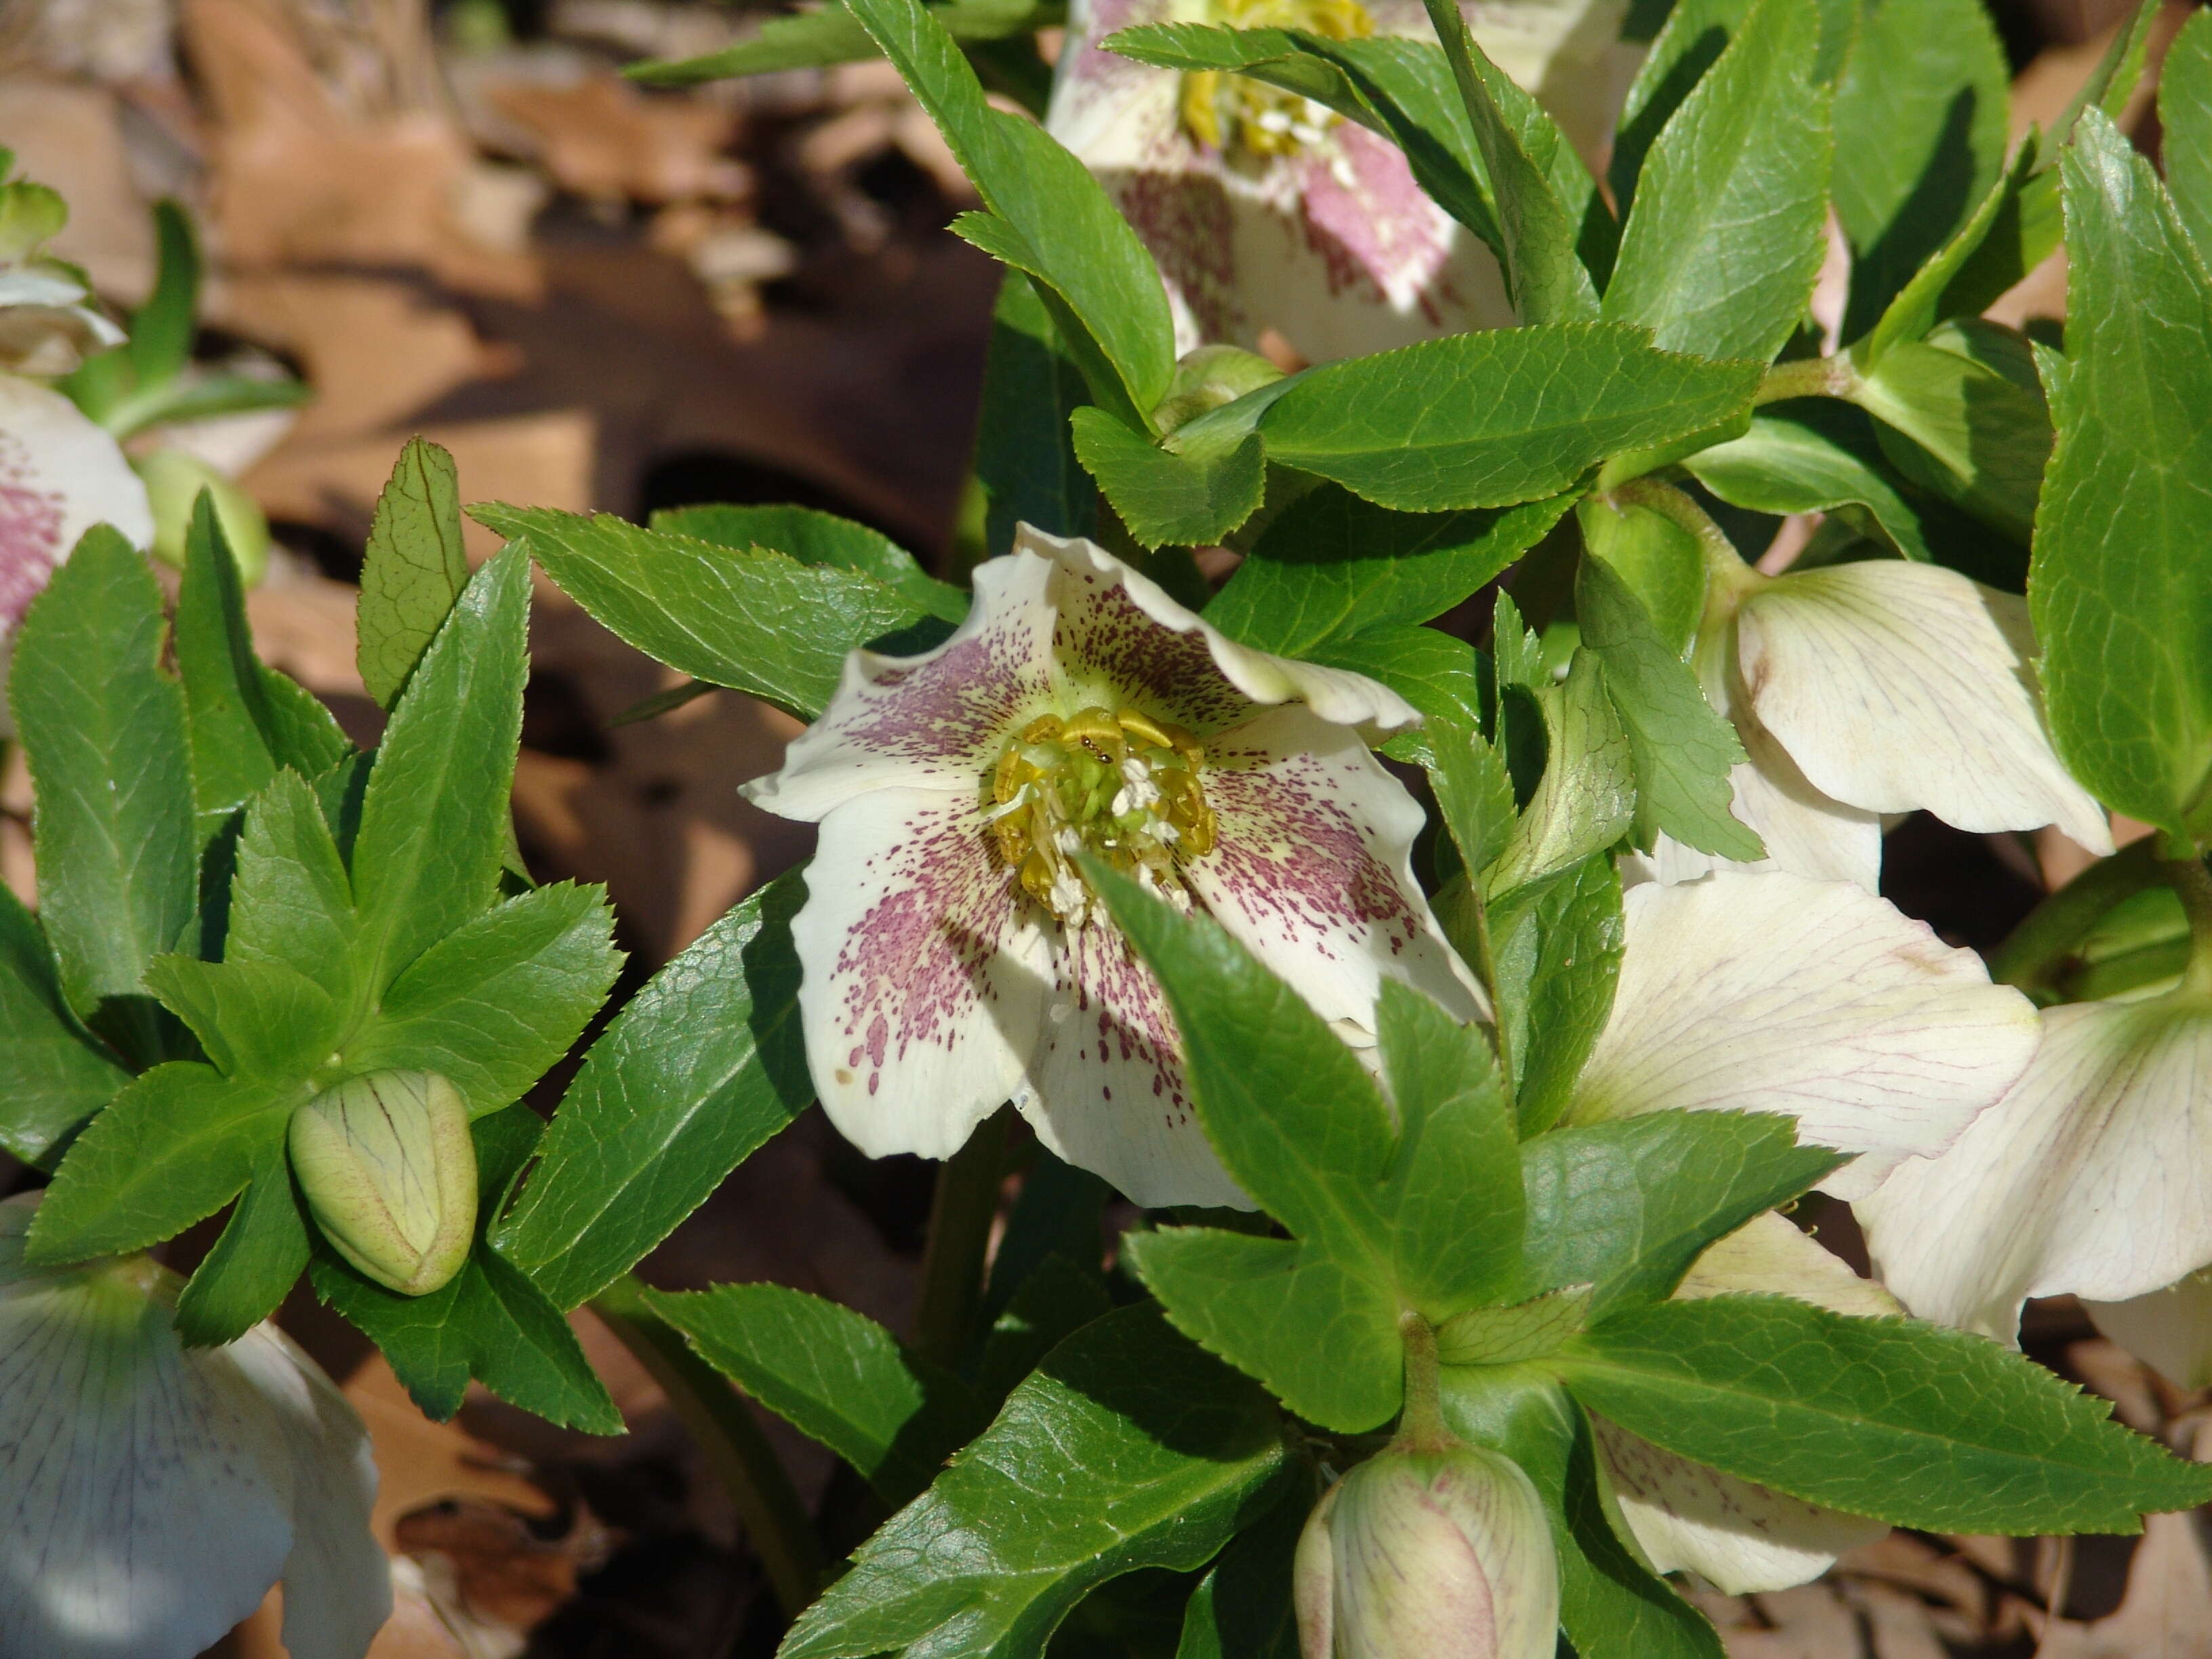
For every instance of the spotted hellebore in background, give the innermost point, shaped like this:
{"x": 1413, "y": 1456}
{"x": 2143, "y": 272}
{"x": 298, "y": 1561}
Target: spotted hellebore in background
{"x": 953, "y": 954}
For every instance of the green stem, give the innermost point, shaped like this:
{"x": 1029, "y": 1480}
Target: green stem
{"x": 767, "y": 1504}
{"x": 2047, "y": 939}
{"x": 1421, "y": 1424}
{"x": 1808, "y": 377}
{"x": 2193, "y": 883}
{"x": 960, "y": 1216}
{"x": 1729, "y": 579}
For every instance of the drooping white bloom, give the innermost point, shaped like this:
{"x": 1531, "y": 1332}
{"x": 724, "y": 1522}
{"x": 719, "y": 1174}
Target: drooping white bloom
{"x": 2170, "y": 1330}
{"x": 1767, "y": 992}
{"x": 150, "y": 1494}
{"x": 60, "y": 474}
{"x": 1875, "y": 688}
{"x": 47, "y": 323}
{"x": 1742, "y": 1537}
{"x": 1264, "y": 211}
{"x": 951, "y": 952}
{"x": 2091, "y": 1177}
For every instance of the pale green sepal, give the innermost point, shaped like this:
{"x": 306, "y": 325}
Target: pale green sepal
{"x": 389, "y": 1172}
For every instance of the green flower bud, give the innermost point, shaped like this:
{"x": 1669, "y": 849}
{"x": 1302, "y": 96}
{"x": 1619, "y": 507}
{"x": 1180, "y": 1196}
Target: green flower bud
{"x": 1429, "y": 1555}
{"x": 1209, "y": 377}
{"x": 390, "y": 1173}
{"x": 174, "y": 481}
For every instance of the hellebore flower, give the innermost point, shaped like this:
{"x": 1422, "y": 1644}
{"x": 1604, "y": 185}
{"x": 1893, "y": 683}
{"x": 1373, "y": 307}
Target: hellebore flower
{"x": 952, "y": 951}
{"x": 1875, "y": 688}
{"x": 2091, "y": 1177}
{"x": 150, "y": 1494}
{"x": 1263, "y": 211}
{"x": 1766, "y": 992}
{"x": 389, "y": 1172}
{"x": 1740, "y": 1537}
{"x": 47, "y": 326}
{"x": 60, "y": 474}
{"x": 1429, "y": 1554}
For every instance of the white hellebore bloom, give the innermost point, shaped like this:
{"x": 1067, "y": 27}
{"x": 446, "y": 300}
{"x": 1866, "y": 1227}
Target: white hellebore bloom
{"x": 1263, "y": 211}
{"x": 47, "y": 324}
{"x": 2093, "y": 1176}
{"x": 1874, "y": 688}
{"x": 150, "y": 1494}
{"x": 60, "y": 474}
{"x": 952, "y": 953}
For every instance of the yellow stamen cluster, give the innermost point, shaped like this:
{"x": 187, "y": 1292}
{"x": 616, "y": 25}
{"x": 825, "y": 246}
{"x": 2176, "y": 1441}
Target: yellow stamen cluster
{"x": 1219, "y": 108}
{"x": 1119, "y": 785}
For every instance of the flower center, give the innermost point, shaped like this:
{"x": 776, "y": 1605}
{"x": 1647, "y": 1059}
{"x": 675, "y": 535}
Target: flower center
{"x": 1118, "y": 786}
{"x": 1219, "y": 109}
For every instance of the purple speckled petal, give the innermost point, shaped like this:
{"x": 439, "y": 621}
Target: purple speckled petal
{"x": 1106, "y": 1092}
{"x": 934, "y": 721}
{"x": 1120, "y": 633}
{"x": 59, "y": 475}
{"x": 924, "y": 979}
{"x": 1312, "y": 869}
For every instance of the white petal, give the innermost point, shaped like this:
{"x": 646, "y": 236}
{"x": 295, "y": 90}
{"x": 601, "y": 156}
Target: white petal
{"x": 934, "y": 721}
{"x": 149, "y": 1496}
{"x": 59, "y": 475}
{"x": 2169, "y": 1330}
{"x": 2090, "y": 1176}
{"x": 1738, "y": 1535}
{"x": 1897, "y": 686}
{"x": 924, "y": 982}
{"x": 1771, "y": 1256}
{"x": 1569, "y": 54}
{"x": 1312, "y": 868}
{"x": 1119, "y": 632}
{"x": 1771, "y": 992}
{"x": 1106, "y": 1092}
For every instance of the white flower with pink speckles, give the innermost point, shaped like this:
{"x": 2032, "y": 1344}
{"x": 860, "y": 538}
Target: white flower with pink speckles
{"x": 953, "y": 958}
{"x": 1265, "y": 211}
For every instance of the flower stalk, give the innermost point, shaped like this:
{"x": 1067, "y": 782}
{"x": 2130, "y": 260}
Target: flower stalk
{"x": 960, "y": 1215}
{"x": 2192, "y": 884}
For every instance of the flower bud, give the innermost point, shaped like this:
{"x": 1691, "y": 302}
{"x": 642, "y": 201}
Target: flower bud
{"x": 174, "y": 481}
{"x": 390, "y": 1173}
{"x": 1429, "y": 1555}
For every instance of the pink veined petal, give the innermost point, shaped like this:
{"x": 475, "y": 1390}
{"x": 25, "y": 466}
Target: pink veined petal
{"x": 1312, "y": 868}
{"x": 934, "y": 721}
{"x": 1769, "y": 992}
{"x": 2089, "y": 1177}
{"x": 1119, "y": 634}
{"x": 924, "y": 983}
{"x": 60, "y": 474}
{"x": 1896, "y": 686}
{"x": 1105, "y": 1089}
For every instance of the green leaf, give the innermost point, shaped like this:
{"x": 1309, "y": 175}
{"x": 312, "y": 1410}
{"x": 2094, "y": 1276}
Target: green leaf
{"x": 819, "y": 539}
{"x": 2117, "y": 589}
{"x": 1696, "y": 33}
{"x": 701, "y": 1067}
{"x": 1682, "y": 748}
{"x": 1409, "y": 428}
{"x": 177, "y": 1143}
{"x": 494, "y": 1004}
{"x": 161, "y": 329}
{"x": 262, "y": 1253}
{"x": 1047, "y": 218}
{"x": 1432, "y": 670}
{"x": 833, "y": 1375}
{"x": 490, "y": 1321}
{"x": 1506, "y": 1336}
{"x": 1627, "y": 1205}
{"x": 1190, "y": 497}
{"x": 1024, "y": 451}
{"x": 255, "y": 1020}
{"x": 1940, "y": 288}
{"x": 1905, "y": 1422}
{"x": 291, "y": 904}
{"x": 1962, "y": 414}
{"x": 1056, "y": 1299}
{"x": 224, "y": 694}
{"x": 1331, "y": 565}
{"x": 1814, "y": 455}
{"x": 1556, "y": 944}
{"x": 1656, "y": 559}
{"x": 413, "y": 569}
{"x": 1610, "y": 1605}
{"x": 1920, "y": 138}
{"x": 1161, "y": 1453}
{"x": 760, "y": 621}
{"x": 1586, "y": 799}
{"x": 1243, "y": 1608}
{"x": 1726, "y": 239}
{"x": 53, "y": 1076}
{"x": 1475, "y": 792}
{"x": 434, "y": 823}
{"x": 104, "y": 730}
{"x": 2184, "y": 110}
{"x": 829, "y": 34}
